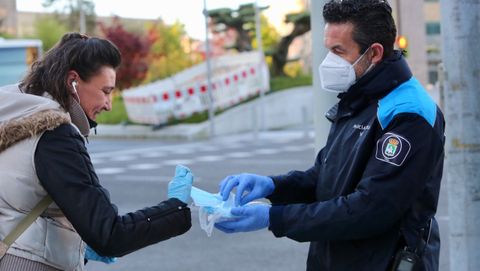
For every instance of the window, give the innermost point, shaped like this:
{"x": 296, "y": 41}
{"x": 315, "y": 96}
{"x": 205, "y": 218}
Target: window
{"x": 432, "y": 77}
{"x": 433, "y": 28}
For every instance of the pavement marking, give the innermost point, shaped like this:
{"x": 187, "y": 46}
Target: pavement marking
{"x": 145, "y": 166}
{"x": 141, "y": 178}
{"x": 109, "y": 170}
{"x": 207, "y": 148}
{"x": 239, "y": 154}
{"x": 266, "y": 151}
{"x": 231, "y": 146}
{"x": 291, "y": 148}
{"x": 96, "y": 161}
{"x": 153, "y": 154}
{"x": 177, "y": 162}
{"x": 282, "y": 140}
{"x": 181, "y": 151}
{"x": 122, "y": 158}
{"x": 210, "y": 158}
{"x": 298, "y": 148}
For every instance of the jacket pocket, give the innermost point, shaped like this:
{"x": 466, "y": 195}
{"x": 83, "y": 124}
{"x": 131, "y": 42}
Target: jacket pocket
{"x": 63, "y": 247}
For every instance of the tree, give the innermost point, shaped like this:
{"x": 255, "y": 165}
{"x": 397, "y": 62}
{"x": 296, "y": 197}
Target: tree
{"x": 170, "y": 52}
{"x": 134, "y": 49}
{"x": 241, "y": 20}
{"x": 269, "y": 34}
{"x": 301, "y": 25}
{"x": 49, "y": 30}
{"x": 71, "y": 8}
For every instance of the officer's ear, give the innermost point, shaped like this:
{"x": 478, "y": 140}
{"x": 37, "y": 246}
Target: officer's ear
{"x": 376, "y": 53}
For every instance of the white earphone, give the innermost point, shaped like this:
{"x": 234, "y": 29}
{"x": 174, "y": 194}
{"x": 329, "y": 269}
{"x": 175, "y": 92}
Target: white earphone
{"x": 74, "y": 85}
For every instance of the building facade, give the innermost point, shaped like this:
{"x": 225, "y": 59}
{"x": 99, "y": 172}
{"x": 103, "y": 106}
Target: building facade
{"x": 8, "y": 17}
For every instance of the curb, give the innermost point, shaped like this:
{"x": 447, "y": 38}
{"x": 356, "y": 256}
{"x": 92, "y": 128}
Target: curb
{"x": 175, "y": 132}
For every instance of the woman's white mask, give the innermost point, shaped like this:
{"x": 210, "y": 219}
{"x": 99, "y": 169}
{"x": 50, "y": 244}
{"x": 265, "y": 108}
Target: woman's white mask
{"x": 338, "y": 75}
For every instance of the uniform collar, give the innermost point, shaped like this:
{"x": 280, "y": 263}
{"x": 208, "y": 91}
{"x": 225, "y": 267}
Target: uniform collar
{"x": 381, "y": 80}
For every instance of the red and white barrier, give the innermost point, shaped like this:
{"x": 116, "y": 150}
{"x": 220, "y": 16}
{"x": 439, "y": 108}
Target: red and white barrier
{"x": 235, "y": 78}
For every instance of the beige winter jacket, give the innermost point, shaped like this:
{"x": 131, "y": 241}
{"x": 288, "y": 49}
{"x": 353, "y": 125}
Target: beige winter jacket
{"x": 51, "y": 239}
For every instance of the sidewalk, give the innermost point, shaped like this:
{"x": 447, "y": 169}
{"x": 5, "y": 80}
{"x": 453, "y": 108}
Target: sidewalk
{"x": 174, "y": 132}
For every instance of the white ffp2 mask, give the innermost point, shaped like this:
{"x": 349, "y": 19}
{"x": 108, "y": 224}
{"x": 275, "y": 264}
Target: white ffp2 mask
{"x": 336, "y": 74}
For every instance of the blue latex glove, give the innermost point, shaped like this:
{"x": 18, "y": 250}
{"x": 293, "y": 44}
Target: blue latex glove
{"x": 90, "y": 254}
{"x": 181, "y": 185}
{"x": 249, "y": 218}
{"x": 255, "y": 186}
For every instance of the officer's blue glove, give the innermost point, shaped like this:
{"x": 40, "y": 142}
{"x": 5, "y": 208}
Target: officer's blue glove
{"x": 181, "y": 185}
{"x": 249, "y": 218}
{"x": 90, "y": 254}
{"x": 256, "y": 186}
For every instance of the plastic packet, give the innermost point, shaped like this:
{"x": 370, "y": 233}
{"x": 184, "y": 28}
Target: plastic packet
{"x": 212, "y": 208}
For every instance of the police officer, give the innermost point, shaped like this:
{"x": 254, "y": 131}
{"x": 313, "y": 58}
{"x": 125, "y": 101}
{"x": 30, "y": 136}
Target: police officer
{"x": 368, "y": 202}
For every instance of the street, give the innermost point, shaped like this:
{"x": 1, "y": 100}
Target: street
{"x": 136, "y": 173}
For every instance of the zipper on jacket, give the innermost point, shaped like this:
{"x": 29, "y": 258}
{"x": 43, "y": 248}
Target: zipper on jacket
{"x": 166, "y": 212}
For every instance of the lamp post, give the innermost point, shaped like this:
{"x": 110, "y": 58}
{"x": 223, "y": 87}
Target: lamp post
{"x": 81, "y": 12}
{"x": 258, "y": 35}
{"x": 211, "y": 112}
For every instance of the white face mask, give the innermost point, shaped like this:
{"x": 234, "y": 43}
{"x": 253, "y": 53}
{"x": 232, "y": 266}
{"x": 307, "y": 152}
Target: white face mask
{"x": 336, "y": 74}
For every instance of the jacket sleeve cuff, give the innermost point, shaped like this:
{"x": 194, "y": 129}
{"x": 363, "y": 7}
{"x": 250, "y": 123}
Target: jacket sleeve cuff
{"x": 276, "y": 223}
{"x": 176, "y": 202}
{"x": 278, "y": 183}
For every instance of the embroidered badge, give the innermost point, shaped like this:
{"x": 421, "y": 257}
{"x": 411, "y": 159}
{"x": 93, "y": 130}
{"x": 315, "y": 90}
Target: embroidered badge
{"x": 393, "y": 149}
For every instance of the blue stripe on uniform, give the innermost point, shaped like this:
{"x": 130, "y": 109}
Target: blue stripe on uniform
{"x": 409, "y": 97}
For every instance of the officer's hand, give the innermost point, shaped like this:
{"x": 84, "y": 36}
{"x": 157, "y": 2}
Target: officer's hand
{"x": 249, "y": 218}
{"x": 90, "y": 254}
{"x": 255, "y": 186}
{"x": 181, "y": 185}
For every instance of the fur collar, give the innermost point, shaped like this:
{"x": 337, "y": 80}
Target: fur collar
{"x": 14, "y": 131}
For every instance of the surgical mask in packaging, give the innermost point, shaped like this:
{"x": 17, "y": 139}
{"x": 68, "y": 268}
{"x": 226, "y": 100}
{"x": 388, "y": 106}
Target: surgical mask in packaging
{"x": 212, "y": 208}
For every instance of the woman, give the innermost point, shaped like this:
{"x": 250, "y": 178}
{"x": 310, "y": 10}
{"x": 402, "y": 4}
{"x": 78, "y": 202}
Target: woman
{"x": 44, "y": 122}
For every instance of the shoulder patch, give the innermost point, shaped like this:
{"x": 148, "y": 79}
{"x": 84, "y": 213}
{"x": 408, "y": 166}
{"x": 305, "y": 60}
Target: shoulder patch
{"x": 393, "y": 149}
{"x": 409, "y": 97}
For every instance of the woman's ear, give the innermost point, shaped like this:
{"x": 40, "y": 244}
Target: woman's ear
{"x": 72, "y": 84}
{"x": 72, "y": 81}
{"x": 377, "y": 53}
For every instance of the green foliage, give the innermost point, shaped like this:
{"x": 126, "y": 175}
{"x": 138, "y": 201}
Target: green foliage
{"x": 285, "y": 82}
{"x": 241, "y": 20}
{"x": 117, "y": 115}
{"x": 298, "y": 17}
{"x": 49, "y": 30}
{"x": 6, "y": 35}
{"x": 293, "y": 69}
{"x": 170, "y": 52}
{"x": 72, "y": 21}
{"x": 270, "y": 36}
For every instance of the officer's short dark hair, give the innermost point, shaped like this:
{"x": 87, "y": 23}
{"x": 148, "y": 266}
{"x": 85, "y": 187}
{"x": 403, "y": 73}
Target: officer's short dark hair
{"x": 372, "y": 21}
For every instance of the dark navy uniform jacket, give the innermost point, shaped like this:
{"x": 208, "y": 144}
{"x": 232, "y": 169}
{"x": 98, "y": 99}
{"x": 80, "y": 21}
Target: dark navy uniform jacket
{"x": 374, "y": 186}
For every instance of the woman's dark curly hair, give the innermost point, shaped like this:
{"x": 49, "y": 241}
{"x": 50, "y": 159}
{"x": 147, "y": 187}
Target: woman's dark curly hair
{"x": 372, "y": 21}
{"x": 85, "y": 55}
